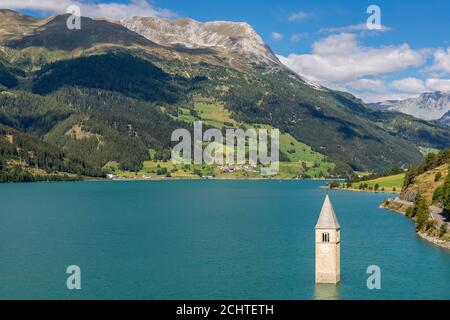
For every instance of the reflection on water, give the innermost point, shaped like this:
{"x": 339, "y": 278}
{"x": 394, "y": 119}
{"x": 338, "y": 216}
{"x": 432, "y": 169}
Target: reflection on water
{"x": 327, "y": 292}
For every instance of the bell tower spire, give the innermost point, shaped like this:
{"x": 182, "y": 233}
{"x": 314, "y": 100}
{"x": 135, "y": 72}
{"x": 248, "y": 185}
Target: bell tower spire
{"x": 328, "y": 245}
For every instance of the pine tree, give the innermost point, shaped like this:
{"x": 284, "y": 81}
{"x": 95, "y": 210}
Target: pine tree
{"x": 446, "y": 196}
{"x": 421, "y": 212}
{"x": 438, "y": 195}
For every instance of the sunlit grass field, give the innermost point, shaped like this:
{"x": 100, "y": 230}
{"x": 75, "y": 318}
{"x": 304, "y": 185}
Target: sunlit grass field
{"x": 302, "y": 160}
{"x": 389, "y": 183}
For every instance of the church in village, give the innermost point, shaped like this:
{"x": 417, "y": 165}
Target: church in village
{"x": 328, "y": 245}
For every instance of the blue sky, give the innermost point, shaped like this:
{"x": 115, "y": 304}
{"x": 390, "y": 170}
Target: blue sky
{"x": 325, "y": 41}
{"x": 419, "y": 23}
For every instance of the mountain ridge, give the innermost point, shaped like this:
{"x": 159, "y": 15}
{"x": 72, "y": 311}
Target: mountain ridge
{"x": 445, "y": 119}
{"x": 231, "y": 37}
{"x": 53, "y": 34}
{"x": 13, "y": 23}
{"x": 428, "y": 106}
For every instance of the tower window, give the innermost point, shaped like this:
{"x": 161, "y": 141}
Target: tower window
{"x": 325, "y": 237}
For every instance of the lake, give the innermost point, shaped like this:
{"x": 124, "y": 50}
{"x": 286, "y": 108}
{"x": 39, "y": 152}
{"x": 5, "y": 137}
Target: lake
{"x": 204, "y": 240}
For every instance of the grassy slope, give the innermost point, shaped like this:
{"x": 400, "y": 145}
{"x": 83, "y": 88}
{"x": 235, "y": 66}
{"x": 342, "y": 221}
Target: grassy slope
{"x": 214, "y": 114}
{"x": 388, "y": 183}
{"x": 302, "y": 159}
{"x": 300, "y": 155}
{"x": 427, "y": 184}
{"x": 150, "y": 170}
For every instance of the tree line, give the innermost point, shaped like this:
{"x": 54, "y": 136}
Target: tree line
{"x": 19, "y": 151}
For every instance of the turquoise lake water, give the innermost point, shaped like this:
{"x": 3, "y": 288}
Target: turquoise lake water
{"x": 204, "y": 240}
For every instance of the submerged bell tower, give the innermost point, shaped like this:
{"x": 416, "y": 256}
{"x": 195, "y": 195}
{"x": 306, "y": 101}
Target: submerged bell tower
{"x": 328, "y": 245}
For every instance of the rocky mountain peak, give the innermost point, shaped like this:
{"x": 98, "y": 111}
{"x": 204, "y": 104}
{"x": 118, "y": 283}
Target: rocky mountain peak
{"x": 428, "y": 106}
{"x": 229, "y": 38}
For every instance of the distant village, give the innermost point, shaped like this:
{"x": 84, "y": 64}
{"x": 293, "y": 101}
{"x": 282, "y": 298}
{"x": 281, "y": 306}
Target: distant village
{"x": 246, "y": 168}
{"x": 232, "y": 168}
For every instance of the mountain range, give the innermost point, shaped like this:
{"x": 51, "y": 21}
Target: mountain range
{"x": 235, "y": 42}
{"x": 428, "y": 106}
{"x": 115, "y": 90}
{"x": 445, "y": 119}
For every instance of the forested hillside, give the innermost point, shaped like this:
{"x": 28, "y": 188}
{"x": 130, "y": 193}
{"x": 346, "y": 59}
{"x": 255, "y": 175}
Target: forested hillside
{"x": 427, "y": 186}
{"x": 107, "y": 94}
{"x": 25, "y": 158}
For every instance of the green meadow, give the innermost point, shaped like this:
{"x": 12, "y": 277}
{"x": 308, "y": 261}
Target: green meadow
{"x": 300, "y": 160}
{"x": 389, "y": 183}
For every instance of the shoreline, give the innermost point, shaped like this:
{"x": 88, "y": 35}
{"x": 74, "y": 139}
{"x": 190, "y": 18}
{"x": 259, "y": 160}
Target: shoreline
{"x": 400, "y": 210}
{"x": 363, "y": 191}
{"x": 212, "y": 178}
{"x": 437, "y": 242}
{"x": 96, "y": 179}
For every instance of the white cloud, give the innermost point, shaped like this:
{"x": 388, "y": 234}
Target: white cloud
{"x": 340, "y": 59}
{"x": 441, "y": 61}
{"x": 354, "y": 28}
{"x": 438, "y": 84}
{"x": 298, "y": 16}
{"x": 298, "y": 37}
{"x": 401, "y": 89}
{"x": 409, "y": 85}
{"x": 275, "y": 36}
{"x": 341, "y": 62}
{"x": 110, "y": 10}
{"x": 375, "y": 90}
{"x": 367, "y": 84}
